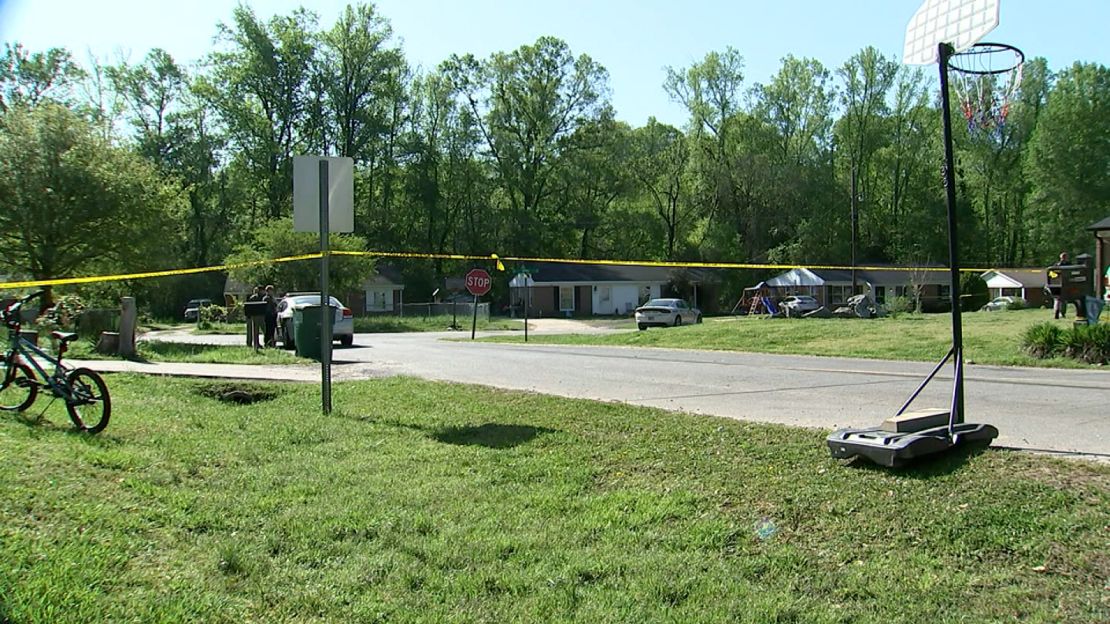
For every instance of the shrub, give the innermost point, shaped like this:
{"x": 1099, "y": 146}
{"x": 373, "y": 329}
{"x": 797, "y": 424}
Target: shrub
{"x": 899, "y": 305}
{"x": 974, "y": 293}
{"x": 1017, "y": 304}
{"x": 64, "y": 315}
{"x": 1042, "y": 340}
{"x": 1087, "y": 343}
{"x": 209, "y": 315}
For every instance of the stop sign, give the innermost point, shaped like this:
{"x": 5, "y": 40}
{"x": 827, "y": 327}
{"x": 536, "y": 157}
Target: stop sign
{"x": 478, "y": 282}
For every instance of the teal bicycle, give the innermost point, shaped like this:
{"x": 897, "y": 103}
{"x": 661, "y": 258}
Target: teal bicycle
{"x": 22, "y": 377}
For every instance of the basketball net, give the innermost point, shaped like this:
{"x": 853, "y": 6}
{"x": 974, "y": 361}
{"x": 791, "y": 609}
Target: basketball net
{"x": 986, "y": 79}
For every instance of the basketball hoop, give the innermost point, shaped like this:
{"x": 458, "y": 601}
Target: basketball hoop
{"x": 986, "y": 77}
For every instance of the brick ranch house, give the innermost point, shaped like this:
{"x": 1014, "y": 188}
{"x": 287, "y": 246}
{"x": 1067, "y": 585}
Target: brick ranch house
{"x": 566, "y": 289}
{"x": 833, "y": 287}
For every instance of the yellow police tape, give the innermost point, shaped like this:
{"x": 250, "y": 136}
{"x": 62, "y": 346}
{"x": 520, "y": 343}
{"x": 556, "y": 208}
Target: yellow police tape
{"x": 128, "y": 276}
{"x": 498, "y": 260}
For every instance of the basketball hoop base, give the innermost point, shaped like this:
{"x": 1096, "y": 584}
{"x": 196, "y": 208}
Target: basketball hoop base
{"x": 894, "y": 449}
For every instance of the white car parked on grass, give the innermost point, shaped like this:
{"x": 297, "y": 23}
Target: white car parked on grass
{"x": 666, "y": 313}
{"x": 800, "y": 304}
{"x": 342, "y": 328}
{"x": 1003, "y": 303}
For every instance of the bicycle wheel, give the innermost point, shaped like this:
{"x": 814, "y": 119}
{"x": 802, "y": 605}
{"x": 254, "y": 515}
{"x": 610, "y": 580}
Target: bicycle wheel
{"x": 17, "y": 386}
{"x": 88, "y": 402}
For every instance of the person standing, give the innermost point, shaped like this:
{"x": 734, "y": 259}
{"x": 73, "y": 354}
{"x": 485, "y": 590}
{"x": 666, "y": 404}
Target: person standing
{"x": 271, "y": 316}
{"x": 1059, "y": 306}
{"x": 253, "y": 328}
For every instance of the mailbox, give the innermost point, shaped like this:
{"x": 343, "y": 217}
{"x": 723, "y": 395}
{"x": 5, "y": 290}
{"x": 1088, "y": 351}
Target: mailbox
{"x": 1070, "y": 282}
{"x": 254, "y": 309}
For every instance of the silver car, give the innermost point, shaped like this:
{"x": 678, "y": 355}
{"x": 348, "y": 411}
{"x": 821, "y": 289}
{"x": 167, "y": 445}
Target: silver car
{"x": 1003, "y": 303}
{"x": 342, "y": 328}
{"x": 666, "y": 313}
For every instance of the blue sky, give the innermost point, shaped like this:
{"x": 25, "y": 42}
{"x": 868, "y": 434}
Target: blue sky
{"x": 634, "y": 40}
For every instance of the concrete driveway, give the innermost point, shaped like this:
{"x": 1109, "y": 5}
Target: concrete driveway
{"x": 1066, "y": 411}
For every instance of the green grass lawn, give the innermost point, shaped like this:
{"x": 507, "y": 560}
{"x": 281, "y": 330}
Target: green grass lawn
{"x": 159, "y": 351}
{"x": 395, "y": 324}
{"x": 390, "y": 325}
{"x": 425, "y": 502}
{"x": 989, "y": 337}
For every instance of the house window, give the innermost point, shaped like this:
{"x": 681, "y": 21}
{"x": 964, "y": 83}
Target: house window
{"x": 604, "y": 297}
{"x": 566, "y": 298}
{"x": 880, "y": 294}
{"x": 839, "y": 294}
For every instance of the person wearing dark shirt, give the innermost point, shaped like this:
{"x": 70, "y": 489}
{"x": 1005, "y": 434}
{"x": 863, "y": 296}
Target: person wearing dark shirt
{"x": 271, "y": 316}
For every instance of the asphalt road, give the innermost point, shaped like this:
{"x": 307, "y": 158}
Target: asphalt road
{"x": 1056, "y": 410}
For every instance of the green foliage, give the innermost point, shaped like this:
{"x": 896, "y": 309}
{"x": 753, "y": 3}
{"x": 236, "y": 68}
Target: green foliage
{"x": 1087, "y": 343}
{"x": 1067, "y": 162}
{"x": 208, "y": 316}
{"x": 1042, "y": 340}
{"x": 71, "y": 202}
{"x": 974, "y": 293}
{"x": 63, "y": 315}
{"x": 277, "y": 239}
{"x": 29, "y": 78}
{"x": 900, "y": 305}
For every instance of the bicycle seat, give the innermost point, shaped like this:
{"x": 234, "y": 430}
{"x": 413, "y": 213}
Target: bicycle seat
{"x": 63, "y": 336}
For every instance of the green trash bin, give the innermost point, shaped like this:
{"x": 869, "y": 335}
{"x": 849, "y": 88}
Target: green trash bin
{"x": 307, "y": 329}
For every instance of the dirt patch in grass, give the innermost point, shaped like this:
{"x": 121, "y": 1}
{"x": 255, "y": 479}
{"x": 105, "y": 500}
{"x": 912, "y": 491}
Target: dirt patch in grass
{"x": 241, "y": 393}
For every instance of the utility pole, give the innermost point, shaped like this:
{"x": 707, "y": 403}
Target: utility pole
{"x": 855, "y": 226}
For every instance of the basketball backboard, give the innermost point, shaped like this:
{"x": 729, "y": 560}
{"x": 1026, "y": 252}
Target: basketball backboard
{"x": 960, "y": 23}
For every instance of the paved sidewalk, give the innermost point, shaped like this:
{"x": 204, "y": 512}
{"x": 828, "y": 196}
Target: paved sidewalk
{"x": 305, "y": 373}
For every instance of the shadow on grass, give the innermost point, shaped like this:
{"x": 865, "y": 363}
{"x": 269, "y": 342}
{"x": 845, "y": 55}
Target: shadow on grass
{"x": 929, "y": 466}
{"x": 489, "y": 435}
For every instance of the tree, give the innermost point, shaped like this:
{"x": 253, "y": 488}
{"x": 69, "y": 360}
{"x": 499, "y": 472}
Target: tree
{"x": 357, "y": 71}
{"x": 151, "y": 91}
{"x": 277, "y": 239}
{"x": 70, "y": 202}
{"x": 259, "y": 89}
{"x": 1068, "y": 161}
{"x": 798, "y": 104}
{"x": 529, "y": 103}
{"x": 29, "y": 78}
{"x": 863, "y": 130}
{"x": 660, "y": 157}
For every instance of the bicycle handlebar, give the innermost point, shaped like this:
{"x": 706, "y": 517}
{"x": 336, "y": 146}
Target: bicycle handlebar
{"x": 12, "y": 309}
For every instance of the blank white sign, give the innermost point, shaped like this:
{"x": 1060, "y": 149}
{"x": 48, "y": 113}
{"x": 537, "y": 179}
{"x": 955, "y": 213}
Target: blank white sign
{"x": 306, "y": 193}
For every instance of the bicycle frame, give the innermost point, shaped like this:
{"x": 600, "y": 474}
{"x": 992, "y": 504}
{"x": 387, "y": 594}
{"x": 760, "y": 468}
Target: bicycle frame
{"x": 24, "y": 350}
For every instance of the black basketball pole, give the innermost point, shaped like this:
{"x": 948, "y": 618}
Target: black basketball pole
{"x": 944, "y": 52}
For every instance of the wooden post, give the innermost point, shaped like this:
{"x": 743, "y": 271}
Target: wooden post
{"x": 127, "y": 322}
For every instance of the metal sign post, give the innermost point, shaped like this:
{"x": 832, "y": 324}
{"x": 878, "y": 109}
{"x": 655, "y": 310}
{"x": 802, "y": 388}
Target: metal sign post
{"x": 323, "y": 201}
{"x": 325, "y": 302}
{"x": 478, "y": 283}
{"x": 474, "y": 322}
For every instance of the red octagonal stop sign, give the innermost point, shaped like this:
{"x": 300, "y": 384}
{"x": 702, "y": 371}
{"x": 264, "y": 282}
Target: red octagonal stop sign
{"x": 478, "y": 282}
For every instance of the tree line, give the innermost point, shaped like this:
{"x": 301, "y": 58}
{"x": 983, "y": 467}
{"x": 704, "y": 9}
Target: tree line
{"x": 110, "y": 167}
